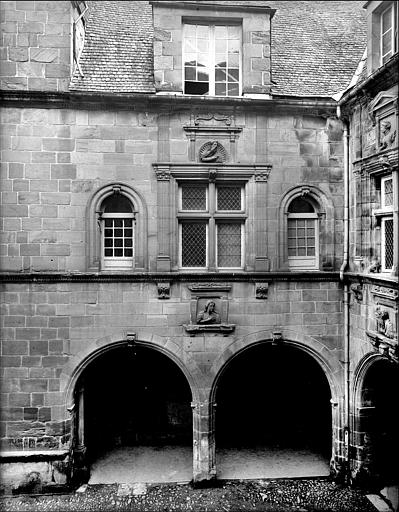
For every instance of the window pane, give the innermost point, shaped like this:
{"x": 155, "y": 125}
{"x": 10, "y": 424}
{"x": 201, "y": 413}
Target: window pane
{"x": 220, "y": 60}
{"x": 234, "y": 60}
{"x": 234, "y": 46}
{"x": 233, "y": 75}
{"x": 118, "y": 232}
{"x": 108, "y": 252}
{"x": 220, "y": 89}
{"x": 118, "y": 242}
{"x": 388, "y": 193}
{"x": 118, "y": 253}
{"x": 202, "y": 31}
{"x": 220, "y": 32}
{"x": 300, "y": 205}
{"x": 386, "y": 20}
{"x": 128, "y": 253}
{"x": 189, "y": 73}
{"x": 220, "y": 75}
{"x": 128, "y": 233}
{"x": 233, "y": 90}
{"x": 301, "y": 251}
{"x": 193, "y": 197}
{"x": 229, "y": 245}
{"x": 196, "y": 88}
{"x": 118, "y": 223}
{"x": 233, "y": 31}
{"x": 386, "y": 43}
{"x": 194, "y": 244}
{"x": 311, "y": 251}
{"x": 229, "y": 198}
{"x": 202, "y": 77}
{"x": 388, "y": 245}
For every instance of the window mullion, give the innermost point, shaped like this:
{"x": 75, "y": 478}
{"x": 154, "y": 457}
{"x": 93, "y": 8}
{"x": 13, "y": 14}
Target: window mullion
{"x": 212, "y": 60}
{"x": 212, "y": 227}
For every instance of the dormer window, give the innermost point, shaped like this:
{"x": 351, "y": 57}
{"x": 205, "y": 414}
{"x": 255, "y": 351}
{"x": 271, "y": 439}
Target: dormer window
{"x": 212, "y": 59}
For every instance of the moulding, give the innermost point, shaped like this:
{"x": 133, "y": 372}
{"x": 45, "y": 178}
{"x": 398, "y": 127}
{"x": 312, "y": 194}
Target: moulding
{"x": 383, "y": 162}
{"x": 201, "y": 170}
{"x": 155, "y": 277}
{"x": 219, "y": 6}
{"x": 32, "y": 455}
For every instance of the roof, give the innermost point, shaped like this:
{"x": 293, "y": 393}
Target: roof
{"x": 316, "y": 46}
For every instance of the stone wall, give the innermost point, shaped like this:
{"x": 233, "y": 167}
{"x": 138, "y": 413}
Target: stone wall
{"x": 56, "y": 159}
{"x": 36, "y": 45}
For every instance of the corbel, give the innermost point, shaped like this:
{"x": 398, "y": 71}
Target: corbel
{"x": 163, "y": 290}
{"x": 261, "y": 290}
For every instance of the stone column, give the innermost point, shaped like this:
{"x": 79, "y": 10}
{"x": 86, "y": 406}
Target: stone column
{"x": 204, "y": 466}
{"x": 261, "y": 256}
{"x": 164, "y": 214}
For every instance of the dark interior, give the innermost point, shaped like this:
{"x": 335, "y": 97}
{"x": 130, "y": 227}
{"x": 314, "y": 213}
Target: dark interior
{"x": 135, "y": 396}
{"x": 381, "y": 426}
{"x": 274, "y": 395}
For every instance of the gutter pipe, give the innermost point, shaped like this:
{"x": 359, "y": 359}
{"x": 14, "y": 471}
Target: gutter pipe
{"x": 344, "y": 267}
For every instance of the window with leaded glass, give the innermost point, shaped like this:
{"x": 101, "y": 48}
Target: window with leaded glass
{"x": 117, "y": 219}
{"x": 302, "y": 235}
{"x": 212, "y": 59}
{"x": 211, "y": 225}
{"x": 387, "y": 232}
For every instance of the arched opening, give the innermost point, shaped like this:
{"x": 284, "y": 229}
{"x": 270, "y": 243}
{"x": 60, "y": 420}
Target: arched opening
{"x": 273, "y": 415}
{"x": 379, "y": 423}
{"x": 134, "y": 417}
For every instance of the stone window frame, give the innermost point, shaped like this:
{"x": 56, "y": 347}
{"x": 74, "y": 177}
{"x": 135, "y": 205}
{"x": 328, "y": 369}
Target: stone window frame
{"x": 254, "y": 178}
{"x": 211, "y": 24}
{"x": 383, "y": 214}
{"x": 385, "y": 57}
{"x": 93, "y": 226}
{"x": 211, "y": 215}
{"x": 324, "y": 209}
{"x": 306, "y": 262}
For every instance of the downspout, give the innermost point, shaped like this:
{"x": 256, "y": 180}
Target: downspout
{"x": 344, "y": 267}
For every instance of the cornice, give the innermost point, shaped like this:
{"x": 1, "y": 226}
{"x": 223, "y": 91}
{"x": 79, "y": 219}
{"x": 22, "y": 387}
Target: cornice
{"x": 372, "y": 279}
{"x": 382, "y": 162}
{"x": 156, "y": 277}
{"x": 130, "y": 101}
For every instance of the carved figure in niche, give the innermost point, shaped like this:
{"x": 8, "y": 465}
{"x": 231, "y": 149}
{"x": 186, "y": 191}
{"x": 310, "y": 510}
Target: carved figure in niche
{"x": 208, "y": 315}
{"x": 212, "y": 151}
{"x": 384, "y": 324}
{"x": 375, "y": 266}
{"x": 387, "y": 137}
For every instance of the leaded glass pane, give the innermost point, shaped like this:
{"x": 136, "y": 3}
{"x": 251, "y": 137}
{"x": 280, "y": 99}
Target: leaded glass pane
{"x": 194, "y": 244}
{"x": 193, "y": 197}
{"x": 229, "y": 245}
{"x": 388, "y": 192}
{"x": 229, "y": 198}
{"x": 388, "y": 246}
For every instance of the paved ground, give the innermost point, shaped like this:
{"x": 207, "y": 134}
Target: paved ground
{"x": 301, "y": 495}
{"x": 174, "y": 464}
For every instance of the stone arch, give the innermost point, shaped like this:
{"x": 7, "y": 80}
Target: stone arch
{"x": 92, "y": 228}
{"x": 76, "y": 365}
{"x": 324, "y": 207}
{"x": 325, "y": 357}
{"x": 365, "y": 434}
{"x": 327, "y": 360}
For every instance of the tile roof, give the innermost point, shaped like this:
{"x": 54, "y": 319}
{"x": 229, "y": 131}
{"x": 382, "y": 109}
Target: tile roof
{"x": 316, "y": 46}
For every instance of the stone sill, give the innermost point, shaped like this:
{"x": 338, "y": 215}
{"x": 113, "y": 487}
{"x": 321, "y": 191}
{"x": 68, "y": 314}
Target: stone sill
{"x": 32, "y": 455}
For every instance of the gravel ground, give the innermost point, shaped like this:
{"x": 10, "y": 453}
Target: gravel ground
{"x": 307, "y": 495}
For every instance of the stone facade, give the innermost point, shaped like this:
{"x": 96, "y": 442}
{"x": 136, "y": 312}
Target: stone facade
{"x": 63, "y": 154}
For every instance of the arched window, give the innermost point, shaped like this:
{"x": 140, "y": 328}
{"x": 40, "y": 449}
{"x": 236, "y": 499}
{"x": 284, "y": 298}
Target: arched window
{"x": 303, "y": 235}
{"x": 117, "y": 218}
{"x": 116, "y": 221}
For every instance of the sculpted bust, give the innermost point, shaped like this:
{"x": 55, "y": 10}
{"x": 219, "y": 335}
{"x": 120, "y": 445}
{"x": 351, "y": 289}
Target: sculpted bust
{"x": 208, "y": 315}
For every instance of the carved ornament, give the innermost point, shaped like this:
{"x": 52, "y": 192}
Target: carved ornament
{"x": 261, "y": 290}
{"x": 382, "y": 291}
{"x": 212, "y": 151}
{"x": 357, "y": 290}
{"x": 262, "y": 173}
{"x": 227, "y": 120}
{"x": 162, "y": 172}
{"x": 163, "y": 290}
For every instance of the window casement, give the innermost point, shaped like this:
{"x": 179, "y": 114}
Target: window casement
{"x": 302, "y": 235}
{"x": 386, "y": 216}
{"x": 387, "y": 34}
{"x": 211, "y": 219}
{"x": 212, "y": 59}
{"x": 117, "y": 218}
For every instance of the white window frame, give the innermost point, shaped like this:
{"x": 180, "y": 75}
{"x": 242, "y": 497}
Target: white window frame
{"x": 211, "y": 216}
{"x": 384, "y": 207}
{"x": 305, "y": 262}
{"x": 116, "y": 262}
{"x": 211, "y": 56}
{"x": 384, "y": 220}
{"x": 388, "y": 54}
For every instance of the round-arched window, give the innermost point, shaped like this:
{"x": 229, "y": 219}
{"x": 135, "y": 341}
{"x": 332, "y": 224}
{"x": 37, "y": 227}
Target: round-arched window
{"x": 117, "y": 219}
{"x": 303, "y": 236}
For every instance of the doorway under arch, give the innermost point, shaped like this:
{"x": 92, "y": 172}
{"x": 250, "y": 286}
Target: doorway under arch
{"x": 135, "y": 418}
{"x": 273, "y": 414}
{"x": 378, "y": 423}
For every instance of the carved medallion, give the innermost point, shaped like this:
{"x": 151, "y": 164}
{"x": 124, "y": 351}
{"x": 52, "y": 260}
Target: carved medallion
{"x": 212, "y": 151}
